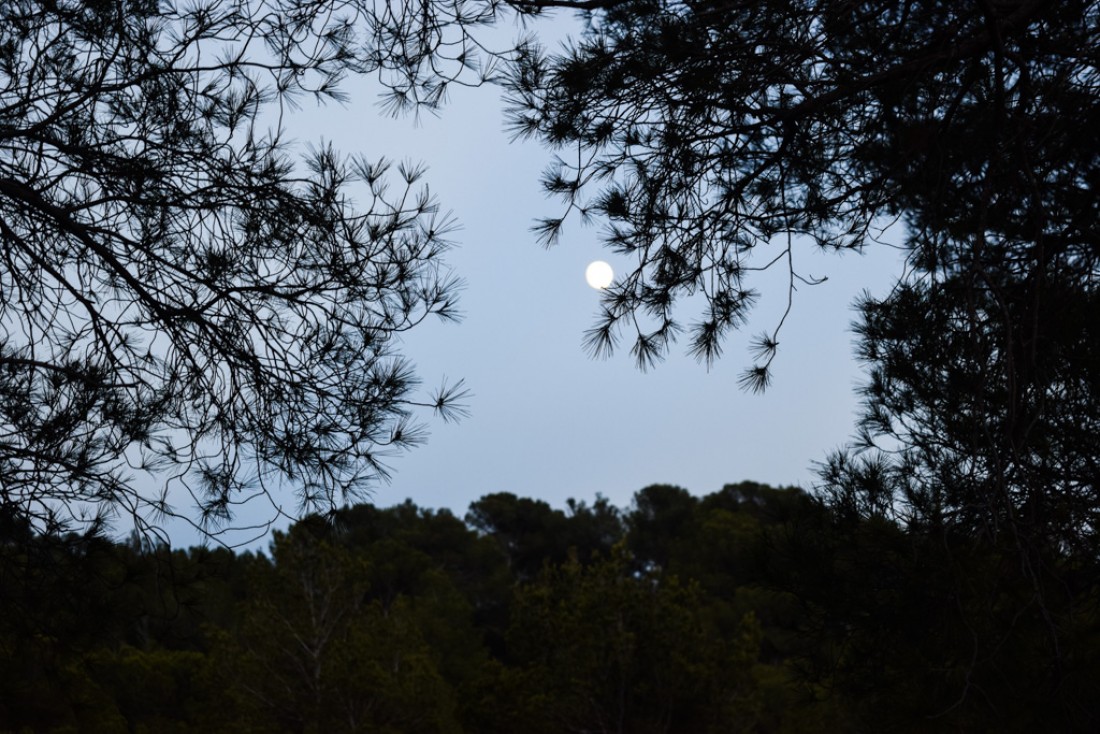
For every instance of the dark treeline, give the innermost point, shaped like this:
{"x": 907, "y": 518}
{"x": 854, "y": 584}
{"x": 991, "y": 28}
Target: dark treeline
{"x": 751, "y": 609}
{"x": 184, "y": 299}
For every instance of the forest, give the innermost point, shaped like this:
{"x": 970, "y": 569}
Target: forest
{"x": 195, "y": 312}
{"x": 752, "y": 609}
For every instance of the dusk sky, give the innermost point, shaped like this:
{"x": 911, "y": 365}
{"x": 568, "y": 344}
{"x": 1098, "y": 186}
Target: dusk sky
{"x": 547, "y": 420}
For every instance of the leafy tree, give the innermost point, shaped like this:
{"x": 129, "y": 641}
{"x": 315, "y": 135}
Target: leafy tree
{"x": 405, "y": 542}
{"x": 532, "y": 534}
{"x": 662, "y": 518}
{"x": 529, "y": 532}
{"x": 593, "y": 529}
{"x": 181, "y": 298}
{"x": 902, "y": 630}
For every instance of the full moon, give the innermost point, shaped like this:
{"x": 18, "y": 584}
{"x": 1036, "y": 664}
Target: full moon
{"x": 599, "y": 274}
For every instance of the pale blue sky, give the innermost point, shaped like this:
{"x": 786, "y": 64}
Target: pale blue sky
{"x": 547, "y": 421}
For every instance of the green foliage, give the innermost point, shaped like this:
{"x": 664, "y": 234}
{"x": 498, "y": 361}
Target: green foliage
{"x": 611, "y": 650}
{"x": 314, "y": 653}
{"x": 531, "y": 533}
{"x": 756, "y": 609}
{"x": 168, "y": 691}
{"x": 662, "y": 517}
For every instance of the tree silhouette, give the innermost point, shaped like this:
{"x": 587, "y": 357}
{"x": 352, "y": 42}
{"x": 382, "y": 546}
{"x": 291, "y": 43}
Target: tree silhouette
{"x": 979, "y": 435}
{"x": 708, "y": 136}
{"x": 188, "y": 315}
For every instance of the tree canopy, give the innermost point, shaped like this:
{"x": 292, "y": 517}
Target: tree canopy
{"x": 750, "y": 609}
{"x": 189, "y": 316}
{"x": 181, "y": 300}
{"x": 188, "y": 311}
{"x": 708, "y": 136}
{"x": 711, "y": 139}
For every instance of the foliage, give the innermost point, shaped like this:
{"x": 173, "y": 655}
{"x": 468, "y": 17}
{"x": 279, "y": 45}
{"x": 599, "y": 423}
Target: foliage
{"x": 708, "y": 136}
{"x": 315, "y": 653}
{"x": 979, "y": 435}
{"x": 618, "y": 652}
{"x": 1000, "y": 436}
{"x": 769, "y": 611}
{"x": 181, "y": 299}
{"x": 531, "y": 533}
{"x": 705, "y": 135}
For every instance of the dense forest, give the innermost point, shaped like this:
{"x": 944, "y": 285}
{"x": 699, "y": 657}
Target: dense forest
{"x": 752, "y": 609}
{"x": 191, "y": 306}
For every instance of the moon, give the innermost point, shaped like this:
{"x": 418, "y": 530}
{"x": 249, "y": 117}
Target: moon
{"x": 599, "y": 274}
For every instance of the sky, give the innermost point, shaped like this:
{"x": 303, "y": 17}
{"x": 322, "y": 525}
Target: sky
{"x": 548, "y": 421}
